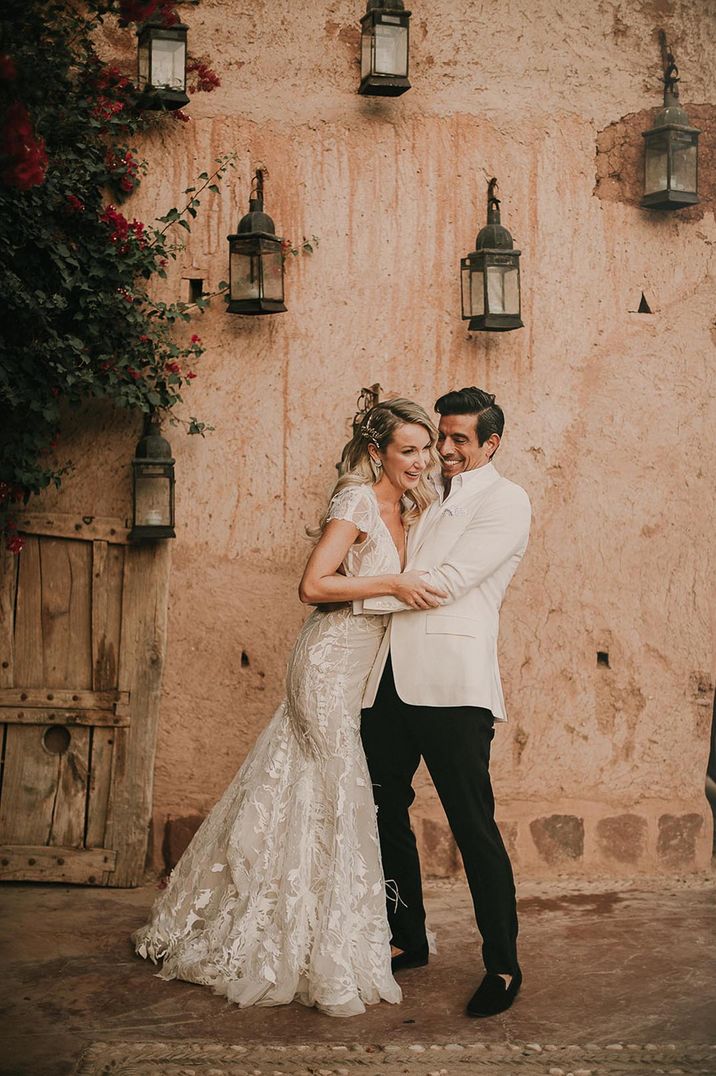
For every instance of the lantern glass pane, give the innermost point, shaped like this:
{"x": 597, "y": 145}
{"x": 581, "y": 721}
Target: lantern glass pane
{"x": 465, "y": 289}
{"x": 391, "y": 49}
{"x": 143, "y": 59}
{"x": 683, "y": 162}
{"x": 656, "y": 176}
{"x": 245, "y": 271}
{"x": 168, "y": 64}
{"x": 366, "y": 51}
{"x": 273, "y": 275}
{"x": 152, "y": 497}
{"x": 503, "y": 289}
{"x": 477, "y": 293}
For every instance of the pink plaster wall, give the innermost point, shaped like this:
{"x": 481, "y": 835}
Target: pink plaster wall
{"x": 610, "y": 413}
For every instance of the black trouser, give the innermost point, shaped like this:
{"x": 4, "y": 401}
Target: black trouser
{"x": 455, "y": 743}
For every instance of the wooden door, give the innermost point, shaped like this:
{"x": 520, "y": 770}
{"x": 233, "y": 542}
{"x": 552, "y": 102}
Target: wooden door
{"x": 82, "y": 644}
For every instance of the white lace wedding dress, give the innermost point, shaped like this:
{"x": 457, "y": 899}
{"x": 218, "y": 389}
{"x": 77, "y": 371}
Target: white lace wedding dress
{"x": 280, "y": 894}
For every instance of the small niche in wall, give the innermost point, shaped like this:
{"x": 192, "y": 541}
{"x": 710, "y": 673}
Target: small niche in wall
{"x": 643, "y": 307}
{"x": 603, "y": 658}
{"x": 196, "y": 289}
{"x": 244, "y": 660}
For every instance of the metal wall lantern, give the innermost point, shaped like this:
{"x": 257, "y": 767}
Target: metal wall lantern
{"x": 384, "y": 49}
{"x": 153, "y": 485}
{"x": 490, "y": 276}
{"x": 255, "y": 261}
{"x": 161, "y": 58}
{"x": 671, "y": 149}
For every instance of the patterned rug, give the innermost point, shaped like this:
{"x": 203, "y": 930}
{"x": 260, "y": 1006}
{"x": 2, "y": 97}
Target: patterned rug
{"x": 530, "y": 1059}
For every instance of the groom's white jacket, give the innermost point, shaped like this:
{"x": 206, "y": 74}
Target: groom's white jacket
{"x": 470, "y": 544}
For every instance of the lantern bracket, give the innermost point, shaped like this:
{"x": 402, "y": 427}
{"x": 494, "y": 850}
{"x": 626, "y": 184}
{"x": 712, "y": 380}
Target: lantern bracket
{"x": 671, "y": 71}
{"x": 257, "y": 188}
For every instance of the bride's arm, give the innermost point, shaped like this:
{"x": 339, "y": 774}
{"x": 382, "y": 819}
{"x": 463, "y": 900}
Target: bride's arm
{"x": 322, "y": 581}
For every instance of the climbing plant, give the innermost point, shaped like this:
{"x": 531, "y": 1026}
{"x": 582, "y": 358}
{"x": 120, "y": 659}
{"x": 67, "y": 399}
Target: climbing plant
{"x": 76, "y": 266}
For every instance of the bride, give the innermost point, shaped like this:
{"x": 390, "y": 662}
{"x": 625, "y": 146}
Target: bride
{"x": 280, "y": 895}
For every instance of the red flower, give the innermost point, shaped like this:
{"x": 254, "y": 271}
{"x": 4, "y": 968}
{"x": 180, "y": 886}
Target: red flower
{"x": 75, "y": 204}
{"x": 123, "y": 169}
{"x": 123, "y": 230}
{"x": 8, "y": 70}
{"x": 105, "y": 109}
{"x": 138, "y": 228}
{"x": 143, "y": 339}
{"x": 106, "y": 366}
{"x": 174, "y": 367}
{"x": 16, "y": 544}
{"x": 196, "y": 339}
{"x": 141, "y": 10}
{"x": 27, "y": 158}
{"x": 205, "y": 79}
{"x": 179, "y": 114}
{"x": 111, "y": 77}
{"x": 134, "y": 374}
{"x": 191, "y": 375}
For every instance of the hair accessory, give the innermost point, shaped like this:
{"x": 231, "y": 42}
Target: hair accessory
{"x": 368, "y": 433}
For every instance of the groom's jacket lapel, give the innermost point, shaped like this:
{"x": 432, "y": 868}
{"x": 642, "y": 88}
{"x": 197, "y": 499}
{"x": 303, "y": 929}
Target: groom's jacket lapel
{"x": 444, "y": 521}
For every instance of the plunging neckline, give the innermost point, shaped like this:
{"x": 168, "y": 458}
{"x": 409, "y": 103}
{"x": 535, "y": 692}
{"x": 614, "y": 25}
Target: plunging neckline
{"x": 388, "y": 532}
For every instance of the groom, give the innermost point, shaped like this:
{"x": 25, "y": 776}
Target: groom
{"x": 435, "y": 692}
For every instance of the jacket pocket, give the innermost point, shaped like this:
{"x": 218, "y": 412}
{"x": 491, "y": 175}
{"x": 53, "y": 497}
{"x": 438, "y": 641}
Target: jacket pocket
{"x": 450, "y": 625}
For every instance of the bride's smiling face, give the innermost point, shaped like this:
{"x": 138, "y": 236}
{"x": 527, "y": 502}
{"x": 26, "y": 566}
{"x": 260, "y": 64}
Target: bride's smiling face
{"x": 406, "y": 456}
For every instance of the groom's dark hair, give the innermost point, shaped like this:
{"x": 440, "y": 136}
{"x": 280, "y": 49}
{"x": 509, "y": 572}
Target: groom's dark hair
{"x": 474, "y": 401}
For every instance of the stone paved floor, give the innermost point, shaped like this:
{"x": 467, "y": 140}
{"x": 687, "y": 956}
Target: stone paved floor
{"x": 617, "y": 965}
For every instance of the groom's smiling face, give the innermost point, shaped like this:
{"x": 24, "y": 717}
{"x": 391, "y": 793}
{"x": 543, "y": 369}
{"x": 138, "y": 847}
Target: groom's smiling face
{"x": 458, "y": 445}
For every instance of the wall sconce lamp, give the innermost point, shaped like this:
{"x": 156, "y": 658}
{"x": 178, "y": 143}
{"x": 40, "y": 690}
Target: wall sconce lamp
{"x": 490, "y": 276}
{"x": 153, "y": 485}
{"x": 255, "y": 260}
{"x": 384, "y": 48}
{"x": 671, "y": 148}
{"x": 161, "y": 63}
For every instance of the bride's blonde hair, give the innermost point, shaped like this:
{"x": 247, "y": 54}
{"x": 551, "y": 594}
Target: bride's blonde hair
{"x": 357, "y": 467}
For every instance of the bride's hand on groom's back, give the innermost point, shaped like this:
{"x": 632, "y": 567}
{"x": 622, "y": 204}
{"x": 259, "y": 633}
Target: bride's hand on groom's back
{"x": 414, "y": 589}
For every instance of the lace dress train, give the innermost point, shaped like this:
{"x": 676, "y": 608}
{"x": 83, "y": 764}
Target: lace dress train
{"x": 280, "y": 895}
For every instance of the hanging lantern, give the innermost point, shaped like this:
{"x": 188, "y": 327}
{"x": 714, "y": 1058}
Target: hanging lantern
{"x": 671, "y": 150}
{"x": 490, "y": 276}
{"x": 384, "y": 49}
{"x": 153, "y": 487}
{"x": 161, "y": 57}
{"x": 255, "y": 261}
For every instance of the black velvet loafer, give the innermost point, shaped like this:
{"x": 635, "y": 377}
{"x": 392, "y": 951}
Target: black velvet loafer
{"x": 493, "y": 995}
{"x": 410, "y": 958}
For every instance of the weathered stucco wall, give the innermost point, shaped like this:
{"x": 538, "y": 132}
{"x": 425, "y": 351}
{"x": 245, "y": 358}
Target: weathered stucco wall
{"x": 610, "y": 413}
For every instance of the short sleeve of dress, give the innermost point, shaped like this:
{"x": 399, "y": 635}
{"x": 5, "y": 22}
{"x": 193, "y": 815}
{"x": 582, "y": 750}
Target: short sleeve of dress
{"x": 357, "y": 505}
